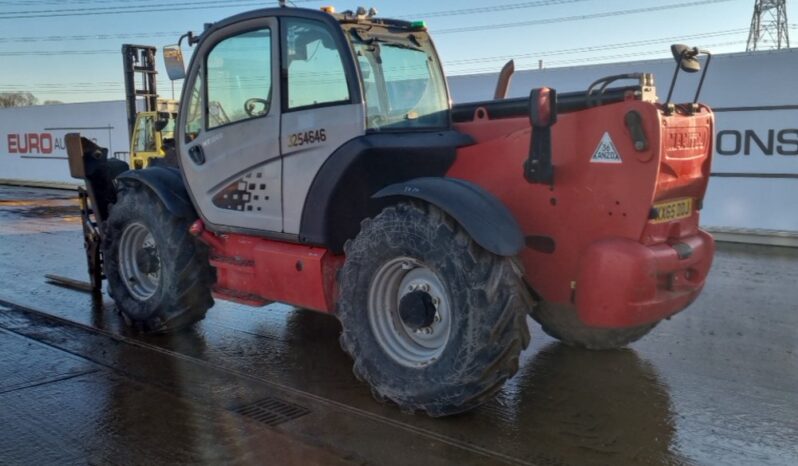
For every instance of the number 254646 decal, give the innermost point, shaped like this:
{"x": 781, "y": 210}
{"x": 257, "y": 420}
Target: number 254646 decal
{"x": 305, "y": 138}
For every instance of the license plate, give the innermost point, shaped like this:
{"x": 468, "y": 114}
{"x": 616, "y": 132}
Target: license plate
{"x": 673, "y": 210}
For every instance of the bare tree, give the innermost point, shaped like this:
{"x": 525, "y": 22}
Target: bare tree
{"x": 17, "y": 99}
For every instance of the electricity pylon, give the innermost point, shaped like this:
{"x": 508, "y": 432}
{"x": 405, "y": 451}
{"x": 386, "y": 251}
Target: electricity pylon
{"x": 769, "y": 27}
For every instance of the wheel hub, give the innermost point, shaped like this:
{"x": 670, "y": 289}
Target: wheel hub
{"x": 147, "y": 260}
{"x": 417, "y": 310}
{"x": 409, "y": 312}
{"x": 139, "y": 261}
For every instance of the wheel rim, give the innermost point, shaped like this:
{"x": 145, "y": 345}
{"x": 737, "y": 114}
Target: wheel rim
{"x": 139, "y": 261}
{"x": 410, "y": 345}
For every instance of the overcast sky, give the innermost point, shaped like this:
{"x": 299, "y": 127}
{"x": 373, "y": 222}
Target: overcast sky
{"x": 69, "y": 50}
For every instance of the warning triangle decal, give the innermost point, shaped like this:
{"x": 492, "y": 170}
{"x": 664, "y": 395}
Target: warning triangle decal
{"x": 606, "y": 151}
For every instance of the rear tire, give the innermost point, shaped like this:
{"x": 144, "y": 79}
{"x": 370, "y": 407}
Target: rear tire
{"x": 562, "y": 323}
{"x": 433, "y": 322}
{"x": 158, "y": 274}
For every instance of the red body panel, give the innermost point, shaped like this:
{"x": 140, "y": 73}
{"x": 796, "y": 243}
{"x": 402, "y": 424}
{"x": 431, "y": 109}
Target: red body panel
{"x": 255, "y": 271}
{"x": 624, "y": 283}
{"x": 590, "y": 243}
{"x": 609, "y": 261}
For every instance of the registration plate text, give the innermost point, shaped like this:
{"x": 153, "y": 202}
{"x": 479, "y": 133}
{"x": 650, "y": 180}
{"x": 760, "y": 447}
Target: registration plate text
{"x": 673, "y": 210}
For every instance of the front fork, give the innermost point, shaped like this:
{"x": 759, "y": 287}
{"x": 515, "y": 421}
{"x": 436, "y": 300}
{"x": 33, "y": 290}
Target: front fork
{"x": 91, "y": 243}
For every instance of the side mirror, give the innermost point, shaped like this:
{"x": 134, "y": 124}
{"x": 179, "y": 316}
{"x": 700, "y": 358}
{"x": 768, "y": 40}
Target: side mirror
{"x": 686, "y": 58}
{"x": 173, "y": 59}
{"x": 687, "y": 61}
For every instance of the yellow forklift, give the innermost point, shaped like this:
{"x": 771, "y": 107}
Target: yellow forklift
{"x": 154, "y": 125}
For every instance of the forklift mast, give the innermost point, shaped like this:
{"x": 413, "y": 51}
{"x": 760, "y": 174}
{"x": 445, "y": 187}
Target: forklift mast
{"x": 139, "y": 59}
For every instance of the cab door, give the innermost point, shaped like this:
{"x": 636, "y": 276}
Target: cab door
{"x": 229, "y": 132}
{"x": 321, "y": 103}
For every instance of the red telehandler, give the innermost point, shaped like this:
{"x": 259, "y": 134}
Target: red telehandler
{"x": 321, "y": 164}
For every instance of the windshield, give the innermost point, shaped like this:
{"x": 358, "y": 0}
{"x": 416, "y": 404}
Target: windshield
{"x": 402, "y": 82}
{"x": 168, "y": 131}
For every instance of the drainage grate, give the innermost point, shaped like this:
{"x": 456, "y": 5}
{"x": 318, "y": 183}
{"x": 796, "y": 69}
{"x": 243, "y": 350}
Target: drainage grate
{"x": 271, "y": 411}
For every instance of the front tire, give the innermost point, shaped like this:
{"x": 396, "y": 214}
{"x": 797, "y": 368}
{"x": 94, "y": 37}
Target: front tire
{"x": 158, "y": 275}
{"x": 433, "y": 321}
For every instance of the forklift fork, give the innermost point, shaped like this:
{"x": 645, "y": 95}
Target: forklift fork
{"x": 91, "y": 242}
{"x": 89, "y": 162}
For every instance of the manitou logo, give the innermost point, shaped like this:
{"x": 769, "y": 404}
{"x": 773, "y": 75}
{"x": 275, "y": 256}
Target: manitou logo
{"x": 688, "y": 140}
{"x": 733, "y": 142}
{"x": 31, "y": 143}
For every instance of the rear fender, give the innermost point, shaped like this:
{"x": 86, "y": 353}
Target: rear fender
{"x": 167, "y": 184}
{"x": 483, "y": 216}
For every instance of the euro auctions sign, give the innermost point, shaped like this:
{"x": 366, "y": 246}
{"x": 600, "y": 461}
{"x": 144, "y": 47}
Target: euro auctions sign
{"x": 28, "y": 134}
{"x": 40, "y": 143}
{"x": 32, "y": 143}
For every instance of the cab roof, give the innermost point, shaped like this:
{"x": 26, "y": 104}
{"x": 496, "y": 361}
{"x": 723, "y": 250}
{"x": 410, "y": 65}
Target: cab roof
{"x": 346, "y": 17}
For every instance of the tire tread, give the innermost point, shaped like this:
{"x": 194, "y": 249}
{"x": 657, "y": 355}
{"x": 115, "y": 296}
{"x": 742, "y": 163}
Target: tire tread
{"x": 494, "y": 346}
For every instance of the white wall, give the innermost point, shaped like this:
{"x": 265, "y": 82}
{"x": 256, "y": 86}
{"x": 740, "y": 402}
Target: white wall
{"x": 32, "y": 138}
{"x": 763, "y": 194}
{"x": 758, "y": 79}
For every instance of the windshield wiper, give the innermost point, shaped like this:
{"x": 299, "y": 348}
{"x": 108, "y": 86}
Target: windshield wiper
{"x": 400, "y": 45}
{"x": 368, "y": 39}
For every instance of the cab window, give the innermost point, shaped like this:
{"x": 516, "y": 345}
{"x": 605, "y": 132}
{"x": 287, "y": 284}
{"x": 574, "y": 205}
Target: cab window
{"x": 402, "y": 80}
{"x": 238, "y": 73}
{"x": 312, "y": 65}
{"x": 145, "y": 135}
{"x": 194, "y": 112}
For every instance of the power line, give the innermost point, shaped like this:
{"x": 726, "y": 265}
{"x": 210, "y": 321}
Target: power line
{"x": 113, "y": 10}
{"x": 60, "y": 38}
{"x": 58, "y": 53}
{"x": 442, "y": 31}
{"x": 451, "y": 62}
{"x": 583, "y": 61}
{"x": 455, "y": 63}
{"x": 33, "y": 3}
{"x": 666, "y": 53}
{"x": 594, "y": 60}
{"x": 466, "y": 64}
{"x": 129, "y": 9}
{"x": 564, "y": 19}
{"x": 62, "y": 84}
{"x": 595, "y": 48}
{"x": 488, "y": 9}
{"x": 131, "y": 35}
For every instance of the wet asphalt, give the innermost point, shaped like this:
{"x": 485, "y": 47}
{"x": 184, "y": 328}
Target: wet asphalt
{"x": 717, "y": 384}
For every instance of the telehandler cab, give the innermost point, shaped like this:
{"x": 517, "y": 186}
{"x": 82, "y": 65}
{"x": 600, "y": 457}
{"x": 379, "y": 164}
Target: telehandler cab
{"x": 321, "y": 164}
